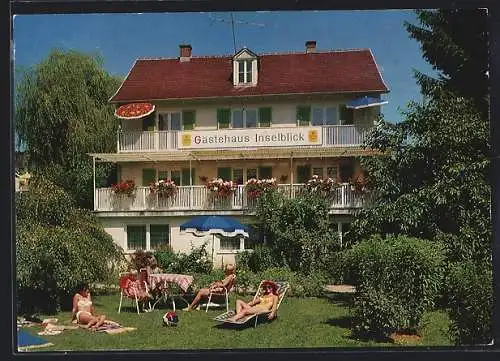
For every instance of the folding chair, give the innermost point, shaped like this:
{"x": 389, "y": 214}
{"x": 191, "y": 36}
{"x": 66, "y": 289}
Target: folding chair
{"x": 133, "y": 289}
{"x": 218, "y": 295}
{"x": 282, "y": 290}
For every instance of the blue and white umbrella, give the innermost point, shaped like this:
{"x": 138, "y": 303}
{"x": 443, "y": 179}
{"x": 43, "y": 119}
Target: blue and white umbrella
{"x": 365, "y": 102}
{"x": 212, "y": 225}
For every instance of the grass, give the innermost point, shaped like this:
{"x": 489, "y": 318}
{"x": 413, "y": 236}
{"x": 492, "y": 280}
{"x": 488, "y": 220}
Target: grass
{"x": 302, "y": 323}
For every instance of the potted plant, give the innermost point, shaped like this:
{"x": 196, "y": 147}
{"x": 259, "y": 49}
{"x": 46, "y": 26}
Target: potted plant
{"x": 219, "y": 187}
{"x": 164, "y": 188}
{"x": 124, "y": 188}
{"x": 359, "y": 183}
{"x": 256, "y": 187}
{"x": 317, "y": 184}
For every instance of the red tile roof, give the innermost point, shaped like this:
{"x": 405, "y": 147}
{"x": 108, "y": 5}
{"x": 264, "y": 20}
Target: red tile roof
{"x": 293, "y": 73}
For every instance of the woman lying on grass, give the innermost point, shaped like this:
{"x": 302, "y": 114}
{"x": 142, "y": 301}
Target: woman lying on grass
{"x": 83, "y": 310}
{"x": 268, "y": 302}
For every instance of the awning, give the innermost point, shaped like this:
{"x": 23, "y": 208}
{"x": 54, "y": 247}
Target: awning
{"x": 134, "y": 110}
{"x": 234, "y": 154}
{"x": 365, "y": 102}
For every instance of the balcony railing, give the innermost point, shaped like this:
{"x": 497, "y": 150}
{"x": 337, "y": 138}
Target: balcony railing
{"x": 199, "y": 198}
{"x": 137, "y": 141}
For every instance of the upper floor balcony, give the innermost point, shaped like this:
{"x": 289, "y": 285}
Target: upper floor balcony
{"x": 315, "y": 136}
{"x": 198, "y": 198}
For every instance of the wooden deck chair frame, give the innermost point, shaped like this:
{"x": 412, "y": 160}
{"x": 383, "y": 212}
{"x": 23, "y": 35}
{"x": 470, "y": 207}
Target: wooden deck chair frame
{"x": 132, "y": 278}
{"x": 283, "y": 287}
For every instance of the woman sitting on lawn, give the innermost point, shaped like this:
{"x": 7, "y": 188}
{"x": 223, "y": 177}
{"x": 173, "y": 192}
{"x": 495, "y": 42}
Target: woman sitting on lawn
{"x": 268, "y": 302}
{"x": 83, "y": 310}
{"x": 217, "y": 286}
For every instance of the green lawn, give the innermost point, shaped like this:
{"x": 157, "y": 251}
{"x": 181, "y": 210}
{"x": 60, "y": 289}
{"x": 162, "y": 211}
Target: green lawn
{"x": 302, "y": 322}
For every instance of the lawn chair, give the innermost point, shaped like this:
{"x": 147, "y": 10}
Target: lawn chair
{"x": 223, "y": 296}
{"x": 134, "y": 289}
{"x": 282, "y": 290}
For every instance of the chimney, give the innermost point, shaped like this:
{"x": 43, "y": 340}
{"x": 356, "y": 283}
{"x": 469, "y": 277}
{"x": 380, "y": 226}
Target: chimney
{"x": 310, "y": 46}
{"x": 185, "y": 52}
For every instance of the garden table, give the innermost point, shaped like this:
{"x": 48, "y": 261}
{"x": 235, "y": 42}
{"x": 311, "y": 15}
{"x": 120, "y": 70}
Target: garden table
{"x": 161, "y": 284}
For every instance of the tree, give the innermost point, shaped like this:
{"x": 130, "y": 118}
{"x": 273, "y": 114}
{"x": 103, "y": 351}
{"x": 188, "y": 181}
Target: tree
{"x": 433, "y": 181}
{"x": 455, "y": 43}
{"x": 57, "y": 246}
{"x": 62, "y": 113}
{"x": 298, "y": 231}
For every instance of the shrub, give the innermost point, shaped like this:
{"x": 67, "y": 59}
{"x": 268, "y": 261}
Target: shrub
{"x": 242, "y": 260}
{"x": 407, "y": 269}
{"x": 202, "y": 280}
{"x": 57, "y": 246}
{"x": 470, "y": 289}
{"x": 141, "y": 259}
{"x": 377, "y": 314}
{"x": 261, "y": 258}
{"x": 167, "y": 259}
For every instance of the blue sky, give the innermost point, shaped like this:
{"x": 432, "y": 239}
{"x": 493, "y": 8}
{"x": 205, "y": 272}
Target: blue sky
{"x": 122, "y": 38}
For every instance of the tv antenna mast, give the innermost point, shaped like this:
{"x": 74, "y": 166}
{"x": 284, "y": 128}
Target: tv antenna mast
{"x": 232, "y": 21}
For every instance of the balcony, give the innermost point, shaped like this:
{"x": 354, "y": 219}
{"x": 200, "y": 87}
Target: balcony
{"x": 198, "y": 198}
{"x": 153, "y": 141}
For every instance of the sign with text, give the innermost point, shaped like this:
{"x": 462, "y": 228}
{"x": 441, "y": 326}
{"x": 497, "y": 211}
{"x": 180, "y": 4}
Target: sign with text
{"x": 255, "y": 137}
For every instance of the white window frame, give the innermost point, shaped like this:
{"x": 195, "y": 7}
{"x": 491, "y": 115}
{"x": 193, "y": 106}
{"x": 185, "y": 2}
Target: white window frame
{"x": 169, "y": 172}
{"x": 323, "y": 108}
{"x": 168, "y": 115}
{"x": 244, "y": 112}
{"x": 245, "y": 71}
{"x": 231, "y": 251}
{"x": 148, "y": 235}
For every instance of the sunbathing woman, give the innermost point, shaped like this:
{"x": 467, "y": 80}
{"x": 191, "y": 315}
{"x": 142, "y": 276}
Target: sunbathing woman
{"x": 83, "y": 310}
{"x": 268, "y": 302}
{"x": 217, "y": 286}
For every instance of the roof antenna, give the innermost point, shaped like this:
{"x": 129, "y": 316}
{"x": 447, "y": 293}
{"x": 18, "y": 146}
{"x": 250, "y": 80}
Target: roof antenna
{"x": 233, "y": 28}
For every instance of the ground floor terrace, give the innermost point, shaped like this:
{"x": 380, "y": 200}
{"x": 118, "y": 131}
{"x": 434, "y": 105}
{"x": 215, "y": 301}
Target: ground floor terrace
{"x": 151, "y": 231}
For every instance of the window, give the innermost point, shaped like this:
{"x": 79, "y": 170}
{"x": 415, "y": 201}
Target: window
{"x": 318, "y": 172}
{"x": 265, "y": 172}
{"x": 169, "y": 121}
{"x": 237, "y": 118}
{"x": 245, "y": 71}
{"x": 229, "y": 243}
{"x": 148, "y": 176}
{"x": 159, "y": 236}
{"x": 346, "y": 115}
{"x": 224, "y": 173}
{"x": 303, "y": 173}
{"x": 136, "y": 237}
{"x": 332, "y": 172}
{"x": 180, "y": 177}
{"x": 238, "y": 176}
{"x": 244, "y": 118}
{"x": 324, "y": 116}
{"x": 251, "y": 173}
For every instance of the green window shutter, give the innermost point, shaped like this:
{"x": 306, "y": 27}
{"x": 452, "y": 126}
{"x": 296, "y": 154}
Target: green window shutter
{"x": 265, "y": 117}
{"x": 136, "y": 237}
{"x": 188, "y": 119}
{"x": 148, "y": 176}
{"x": 224, "y": 173}
{"x": 223, "y": 117}
{"x": 158, "y": 236}
{"x": 265, "y": 172}
{"x": 304, "y": 115}
{"x": 346, "y": 115}
{"x": 303, "y": 173}
{"x": 163, "y": 174}
{"x": 185, "y": 177}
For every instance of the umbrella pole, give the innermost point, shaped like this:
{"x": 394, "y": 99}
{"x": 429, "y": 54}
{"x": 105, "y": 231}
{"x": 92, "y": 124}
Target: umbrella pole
{"x": 213, "y": 242}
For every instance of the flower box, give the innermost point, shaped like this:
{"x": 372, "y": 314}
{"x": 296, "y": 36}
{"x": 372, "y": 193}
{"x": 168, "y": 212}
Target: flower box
{"x": 163, "y": 188}
{"x": 256, "y": 187}
{"x": 124, "y": 188}
{"x": 219, "y": 187}
{"x": 325, "y": 186}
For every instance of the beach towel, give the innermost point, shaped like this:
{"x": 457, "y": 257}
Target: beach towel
{"x": 111, "y": 327}
{"x": 27, "y": 341}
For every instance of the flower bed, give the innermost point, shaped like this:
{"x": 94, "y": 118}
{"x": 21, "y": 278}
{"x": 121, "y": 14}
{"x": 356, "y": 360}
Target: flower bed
{"x": 124, "y": 188}
{"x": 256, "y": 187}
{"x": 219, "y": 187}
{"x": 164, "y": 188}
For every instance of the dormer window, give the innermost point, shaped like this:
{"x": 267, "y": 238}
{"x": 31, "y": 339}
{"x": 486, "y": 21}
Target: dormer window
{"x": 245, "y": 70}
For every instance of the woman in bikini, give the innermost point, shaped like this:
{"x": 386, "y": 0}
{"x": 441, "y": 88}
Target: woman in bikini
{"x": 217, "y": 286}
{"x": 83, "y": 310}
{"x": 268, "y": 302}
